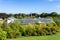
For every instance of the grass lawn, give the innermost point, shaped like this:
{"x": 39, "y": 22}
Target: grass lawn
{"x": 51, "y": 37}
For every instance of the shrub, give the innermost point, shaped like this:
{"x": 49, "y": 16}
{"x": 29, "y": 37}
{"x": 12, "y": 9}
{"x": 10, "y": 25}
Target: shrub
{"x": 51, "y": 24}
{"x": 53, "y": 30}
{"x": 16, "y": 33}
{"x": 17, "y": 29}
{"x": 29, "y": 31}
{"x": 41, "y": 32}
{"x": 22, "y": 30}
{"x": 44, "y": 29}
{"x": 43, "y": 25}
{"x": 1, "y": 24}
{"x": 7, "y": 29}
{"x": 2, "y": 34}
{"x": 15, "y": 26}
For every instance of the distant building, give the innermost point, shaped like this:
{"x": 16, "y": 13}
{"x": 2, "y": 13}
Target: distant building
{"x": 4, "y": 15}
{"x": 26, "y": 21}
{"x": 10, "y": 19}
{"x": 1, "y": 20}
{"x": 30, "y": 20}
{"x": 45, "y": 20}
{"x": 38, "y": 20}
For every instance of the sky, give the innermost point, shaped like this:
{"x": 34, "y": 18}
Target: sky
{"x": 29, "y": 6}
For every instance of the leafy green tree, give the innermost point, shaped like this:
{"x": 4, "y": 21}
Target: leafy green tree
{"x": 54, "y": 14}
{"x": 44, "y": 15}
{"x": 33, "y": 15}
{"x": 11, "y": 15}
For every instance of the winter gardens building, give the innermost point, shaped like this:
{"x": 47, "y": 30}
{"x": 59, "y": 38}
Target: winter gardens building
{"x": 30, "y": 20}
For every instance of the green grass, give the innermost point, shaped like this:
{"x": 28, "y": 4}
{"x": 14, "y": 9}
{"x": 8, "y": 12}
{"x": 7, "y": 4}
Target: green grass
{"x": 51, "y": 37}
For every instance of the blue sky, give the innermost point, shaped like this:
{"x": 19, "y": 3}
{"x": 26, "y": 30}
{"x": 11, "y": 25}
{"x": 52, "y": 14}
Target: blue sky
{"x": 28, "y": 6}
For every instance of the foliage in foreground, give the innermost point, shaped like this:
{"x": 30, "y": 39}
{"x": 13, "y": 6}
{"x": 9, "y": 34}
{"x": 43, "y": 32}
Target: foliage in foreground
{"x": 2, "y": 34}
{"x": 17, "y": 29}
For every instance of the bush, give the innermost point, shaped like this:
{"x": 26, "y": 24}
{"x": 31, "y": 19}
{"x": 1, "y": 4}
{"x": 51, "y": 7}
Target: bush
{"x": 22, "y": 30}
{"x": 16, "y": 33}
{"x": 15, "y": 26}
{"x": 2, "y": 34}
{"x": 7, "y": 29}
{"x": 17, "y": 29}
{"x": 52, "y": 24}
{"x": 29, "y": 31}
{"x": 46, "y": 29}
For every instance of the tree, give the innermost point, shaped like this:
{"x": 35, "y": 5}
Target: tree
{"x": 44, "y": 15}
{"x": 11, "y": 15}
{"x": 33, "y": 14}
{"x": 4, "y": 15}
{"x": 54, "y": 14}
